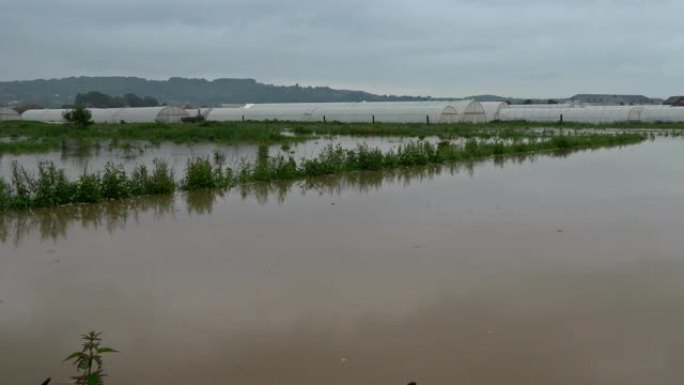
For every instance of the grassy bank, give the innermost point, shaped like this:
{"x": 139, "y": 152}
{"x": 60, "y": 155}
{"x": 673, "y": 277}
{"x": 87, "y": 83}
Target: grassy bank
{"x": 28, "y": 137}
{"x": 39, "y": 137}
{"x": 50, "y": 186}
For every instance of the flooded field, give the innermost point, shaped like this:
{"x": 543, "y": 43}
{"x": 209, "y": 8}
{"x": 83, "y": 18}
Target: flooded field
{"x": 75, "y": 161}
{"x": 536, "y": 270}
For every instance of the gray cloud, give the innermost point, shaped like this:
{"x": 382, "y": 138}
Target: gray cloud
{"x": 437, "y": 47}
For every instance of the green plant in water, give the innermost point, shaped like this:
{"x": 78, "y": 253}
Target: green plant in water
{"x": 23, "y": 185}
{"x": 79, "y": 116}
{"x": 52, "y": 186}
{"x": 89, "y": 189}
{"x": 201, "y": 174}
{"x": 160, "y": 181}
{"x": 88, "y": 360}
{"x": 114, "y": 183}
{"x": 5, "y": 195}
{"x": 219, "y": 158}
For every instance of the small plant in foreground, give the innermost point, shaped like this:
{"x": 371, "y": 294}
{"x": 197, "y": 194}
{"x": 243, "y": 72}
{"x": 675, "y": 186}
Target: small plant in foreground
{"x": 88, "y": 360}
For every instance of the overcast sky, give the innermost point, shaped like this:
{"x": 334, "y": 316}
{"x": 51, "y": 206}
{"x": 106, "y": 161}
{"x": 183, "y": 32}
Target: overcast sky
{"x": 530, "y": 48}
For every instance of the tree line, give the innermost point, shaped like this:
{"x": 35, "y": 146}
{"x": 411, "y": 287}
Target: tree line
{"x": 53, "y": 93}
{"x": 96, "y": 99}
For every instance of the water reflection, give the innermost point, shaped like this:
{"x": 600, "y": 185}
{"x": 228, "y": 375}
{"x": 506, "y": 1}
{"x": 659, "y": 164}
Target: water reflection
{"x": 52, "y": 223}
{"x": 202, "y": 202}
{"x": 363, "y": 182}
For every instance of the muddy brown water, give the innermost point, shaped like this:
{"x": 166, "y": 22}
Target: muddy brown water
{"x": 537, "y": 271}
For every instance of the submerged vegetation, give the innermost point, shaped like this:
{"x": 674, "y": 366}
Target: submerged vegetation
{"x": 51, "y": 187}
{"x": 27, "y": 137}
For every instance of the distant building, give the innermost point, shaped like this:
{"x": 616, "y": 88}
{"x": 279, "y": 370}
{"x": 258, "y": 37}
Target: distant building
{"x": 612, "y": 100}
{"x": 675, "y": 101}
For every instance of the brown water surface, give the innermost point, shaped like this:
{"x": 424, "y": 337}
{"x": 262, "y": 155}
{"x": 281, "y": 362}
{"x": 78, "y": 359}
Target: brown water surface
{"x": 536, "y": 271}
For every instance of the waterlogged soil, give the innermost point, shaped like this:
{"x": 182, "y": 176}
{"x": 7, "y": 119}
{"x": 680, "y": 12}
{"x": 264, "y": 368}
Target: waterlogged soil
{"x": 535, "y": 270}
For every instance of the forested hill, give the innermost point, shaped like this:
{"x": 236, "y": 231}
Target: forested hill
{"x": 177, "y": 91}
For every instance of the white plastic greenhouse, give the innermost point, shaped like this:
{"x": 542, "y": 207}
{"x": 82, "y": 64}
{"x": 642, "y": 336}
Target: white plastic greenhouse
{"x": 493, "y": 110}
{"x": 593, "y": 114}
{"x": 524, "y": 106}
{"x": 149, "y": 115}
{"x": 47, "y": 116}
{"x": 104, "y": 115}
{"x": 301, "y": 112}
{"x": 7, "y": 113}
{"x": 465, "y": 111}
{"x": 470, "y": 112}
{"x": 113, "y": 115}
{"x": 597, "y": 114}
{"x": 651, "y": 114}
{"x": 380, "y": 112}
{"x": 194, "y": 112}
{"x": 387, "y": 113}
{"x": 589, "y": 114}
{"x": 364, "y": 112}
{"x": 539, "y": 114}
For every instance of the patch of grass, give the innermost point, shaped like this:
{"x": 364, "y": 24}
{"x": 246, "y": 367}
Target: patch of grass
{"x": 51, "y": 187}
{"x": 41, "y": 137}
{"x": 160, "y": 181}
{"x": 201, "y": 174}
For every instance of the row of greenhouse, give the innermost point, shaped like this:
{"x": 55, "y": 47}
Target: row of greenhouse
{"x": 112, "y": 115}
{"x": 371, "y": 112}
